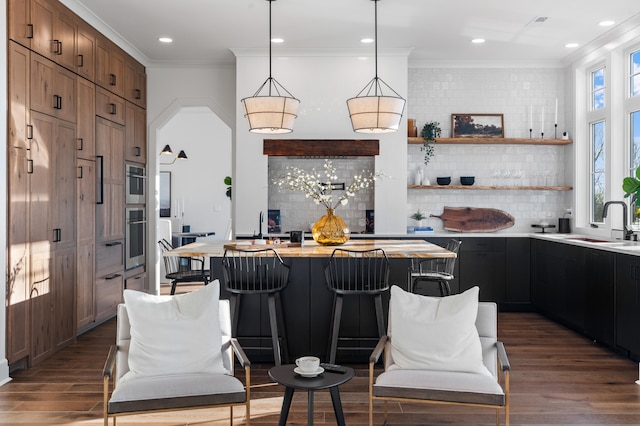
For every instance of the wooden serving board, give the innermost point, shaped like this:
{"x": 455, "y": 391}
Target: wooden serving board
{"x": 249, "y": 246}
{"x": 475, "y": 219}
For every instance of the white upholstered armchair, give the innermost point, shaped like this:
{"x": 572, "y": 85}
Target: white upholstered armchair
{"x": 485, "y": 385}
{"x": 187, "y": 374}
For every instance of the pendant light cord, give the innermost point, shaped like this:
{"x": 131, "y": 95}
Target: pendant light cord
{"x": 375, "y": 38}
{"x": 270, "y": 78}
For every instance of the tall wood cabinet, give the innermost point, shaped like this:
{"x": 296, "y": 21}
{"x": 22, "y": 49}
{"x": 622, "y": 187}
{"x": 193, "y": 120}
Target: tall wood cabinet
{"x": 76, "y": 105}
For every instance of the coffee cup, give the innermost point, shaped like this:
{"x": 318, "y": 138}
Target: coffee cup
{"x": 308, "y": 364}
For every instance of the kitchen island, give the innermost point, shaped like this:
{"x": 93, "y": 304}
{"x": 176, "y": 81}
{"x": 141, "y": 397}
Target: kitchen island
{"x": 306, "y": 301}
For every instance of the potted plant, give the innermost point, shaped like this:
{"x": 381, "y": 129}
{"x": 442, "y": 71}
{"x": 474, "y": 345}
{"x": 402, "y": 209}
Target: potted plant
{"x": 430, "y": 132}
{"x": 227, "y": 182}
{"x": 418, "y": 216}
{"x": 631, "y": 188}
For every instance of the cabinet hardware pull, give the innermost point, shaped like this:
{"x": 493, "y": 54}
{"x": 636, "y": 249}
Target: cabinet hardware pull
{"x": 138, "y": 94}
{"x": 57, "y": 102}
{"x": 80, "y": 144}
{"x": 57, "y": 47}
{"x": 112, "y": 79}
{"x": 112, "y": 276}
{"x": 81, "y": 60}
{"x": 79, "y": 172}
{"x": 112, "y": 109}
{"x": 29, "y": 131}
{"x": 114, "y": 243}
{"x": 138, "y": 151}
{"x": 29, "y": 30}
{"x": 30, "y": 167}
{"x": 57, "y": 235}
{"x": 137, "y": 222}
{"x": 100, "y": 180}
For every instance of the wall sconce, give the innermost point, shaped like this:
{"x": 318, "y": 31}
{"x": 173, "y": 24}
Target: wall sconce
{"x": 168, "y": 151}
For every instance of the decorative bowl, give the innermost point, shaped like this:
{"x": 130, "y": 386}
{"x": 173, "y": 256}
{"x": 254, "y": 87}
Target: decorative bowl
{"x": 467, "y": 180}
{"x": 443, "y": 180}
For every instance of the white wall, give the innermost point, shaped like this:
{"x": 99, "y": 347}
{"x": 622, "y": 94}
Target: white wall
{"x": 323, "y": 83}
{"x": 197, "y": 184}
{"x": 4, "y": 366}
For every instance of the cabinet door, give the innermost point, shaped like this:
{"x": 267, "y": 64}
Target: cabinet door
{"x": 65, "y": 90}
{"x": 109, "y": 180}
{"x": 103, "y": 72}
{"x": 64, "y": 31}
{"x": 86, "y": 127}
{"x": 19, "y": 22}
{"x": 64, "y": 185}
{"x": 110, "y": 106}
{"x": 518, "y": 270}
{"x": 19, "y": 83}
{"x": 41, "y": 149}
{"x": 41, "y": 307}
{"x": 599, "y": 315}
{"x": 18, "y": 256}
{"x": 135, "y": 83}
{"x": 85, "y": 267}
{"x": 64, "y": 288}
{"x": 628, "y": 303}
{"x": 43, "y": 18}
{"x": 482, "y": 263}
{"x": 86, "y": 51}
{"x": 42, "y": 85}
{"x": 136, "y": 135}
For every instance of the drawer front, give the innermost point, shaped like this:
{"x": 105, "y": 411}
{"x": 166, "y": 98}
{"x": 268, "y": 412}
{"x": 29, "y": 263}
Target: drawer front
{"x": 137, "y": 282}
{"x": 482, "y": 244}
{"x": 109, "y": 257}
{"x": 108, "y": 295}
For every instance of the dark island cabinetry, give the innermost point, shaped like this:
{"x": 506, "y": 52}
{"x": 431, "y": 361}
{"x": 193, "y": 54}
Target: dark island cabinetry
{"x": 628, "y": 304}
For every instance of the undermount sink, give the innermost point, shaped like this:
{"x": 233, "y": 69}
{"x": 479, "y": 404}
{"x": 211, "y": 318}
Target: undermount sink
{"x": 589, "y": 240}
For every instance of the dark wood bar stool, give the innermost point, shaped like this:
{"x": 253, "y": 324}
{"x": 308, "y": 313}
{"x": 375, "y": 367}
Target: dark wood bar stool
{"x": 355, "y": 273}
{"x": 255, "y": 272}
{"x": 438, "y": 270}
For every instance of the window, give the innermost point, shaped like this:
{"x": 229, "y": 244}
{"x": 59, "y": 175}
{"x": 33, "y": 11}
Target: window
{"x": 597, "y": 89}
{"x": 598, "y": 176}
{"x": 634, "y": 73}
{"x": 635, "y": 141}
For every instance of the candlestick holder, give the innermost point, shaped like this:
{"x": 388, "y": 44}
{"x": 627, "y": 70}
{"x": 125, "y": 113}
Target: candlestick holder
{"x": 530, "y": 133}
{"x": 555, "y": 131}
{"x": 541, "y": 135}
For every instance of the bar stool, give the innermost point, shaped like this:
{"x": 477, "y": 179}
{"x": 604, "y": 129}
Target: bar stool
{"x": 355, "y": 273}
{"x": 435, "y": 270}
{"x": 179, "y": 270}
{"x": 255, "y": 272}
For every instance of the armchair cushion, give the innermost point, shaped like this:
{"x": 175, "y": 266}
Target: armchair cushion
{"x": 173, "y": 335}
{"x": 435, "y": 333}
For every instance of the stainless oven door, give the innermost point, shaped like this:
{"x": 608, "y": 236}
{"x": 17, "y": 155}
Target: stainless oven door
{"x": 135, "y": 238}
{"x": 135, "y": 184}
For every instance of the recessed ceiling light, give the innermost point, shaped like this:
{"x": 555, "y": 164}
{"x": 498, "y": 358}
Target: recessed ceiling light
{"x": 478, "y": 40}
{"x": 277, "y": 40}
{"x": 366, "y": 40}
{"x": 606, "y": 23}
{"x": 571, "y": 45}
{"x": 165, "y": 40}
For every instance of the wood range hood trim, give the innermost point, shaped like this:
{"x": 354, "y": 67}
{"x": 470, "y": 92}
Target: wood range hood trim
{"x": 321, "y": 147}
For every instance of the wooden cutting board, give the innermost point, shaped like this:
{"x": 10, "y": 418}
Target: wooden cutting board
{"x": 475, "y": 219}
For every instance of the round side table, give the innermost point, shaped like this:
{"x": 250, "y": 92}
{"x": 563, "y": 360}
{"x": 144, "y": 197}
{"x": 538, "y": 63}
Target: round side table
{"x": 285, "y": 376}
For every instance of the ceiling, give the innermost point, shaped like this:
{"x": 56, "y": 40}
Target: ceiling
{"x": 204, "y": 31}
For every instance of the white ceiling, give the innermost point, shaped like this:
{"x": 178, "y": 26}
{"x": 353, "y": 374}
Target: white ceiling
{"x": 204, "y": 31}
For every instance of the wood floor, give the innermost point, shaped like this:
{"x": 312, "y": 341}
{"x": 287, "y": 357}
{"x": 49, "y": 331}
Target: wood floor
{"x": 557, "y": 378}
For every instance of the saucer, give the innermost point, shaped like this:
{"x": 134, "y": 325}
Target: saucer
{"x": 297, "y": 370}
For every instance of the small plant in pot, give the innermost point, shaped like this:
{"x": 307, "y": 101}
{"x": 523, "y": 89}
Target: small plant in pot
{"x": 418, "y": 217}
{"x": 430, "y": 132}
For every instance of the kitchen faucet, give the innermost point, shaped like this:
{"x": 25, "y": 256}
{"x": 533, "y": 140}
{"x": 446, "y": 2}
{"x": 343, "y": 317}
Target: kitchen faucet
{"x": 626, "y": 231}
{"x": 260, "y": 220}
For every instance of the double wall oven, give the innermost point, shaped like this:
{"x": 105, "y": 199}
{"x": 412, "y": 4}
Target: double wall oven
{"x": 135, "y": 216}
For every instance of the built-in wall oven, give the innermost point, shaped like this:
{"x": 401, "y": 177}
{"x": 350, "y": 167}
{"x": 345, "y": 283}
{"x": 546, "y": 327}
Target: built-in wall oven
{"x": 135, "y": 184}
{"x": 135, "y": 238}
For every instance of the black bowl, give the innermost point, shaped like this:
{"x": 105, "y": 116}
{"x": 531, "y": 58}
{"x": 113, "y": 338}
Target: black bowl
{"x": 444, "y": 180}
{"x": 467, "y": 180}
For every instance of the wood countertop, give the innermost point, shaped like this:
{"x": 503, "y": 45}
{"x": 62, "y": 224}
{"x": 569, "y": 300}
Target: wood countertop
{"x": 393, "y": 248}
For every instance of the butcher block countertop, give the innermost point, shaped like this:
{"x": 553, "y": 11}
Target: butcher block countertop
{"x": 393, "y": 248}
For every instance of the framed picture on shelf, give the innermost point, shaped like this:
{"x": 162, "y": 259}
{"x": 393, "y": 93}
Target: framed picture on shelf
{"x": 477, "y": 125}
{"x": 273, "y": 221}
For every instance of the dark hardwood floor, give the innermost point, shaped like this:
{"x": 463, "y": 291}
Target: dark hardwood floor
{"x": 557, "y": 378}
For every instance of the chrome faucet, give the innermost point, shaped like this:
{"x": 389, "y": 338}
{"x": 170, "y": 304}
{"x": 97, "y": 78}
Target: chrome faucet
{"x": 627, "y": 232}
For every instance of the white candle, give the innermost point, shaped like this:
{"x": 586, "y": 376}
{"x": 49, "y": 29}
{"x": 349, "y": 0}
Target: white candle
{"x": 556, "y": 122}
{"x": 531, "y": 116}
{"x": 542, "y": 121}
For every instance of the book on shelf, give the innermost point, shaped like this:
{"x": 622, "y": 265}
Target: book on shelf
{"x": 423, "y": 229}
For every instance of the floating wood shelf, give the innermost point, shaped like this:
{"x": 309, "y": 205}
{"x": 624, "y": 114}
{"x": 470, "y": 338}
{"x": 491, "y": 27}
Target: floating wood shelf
{"x": 496, "y": 141}
{"x": 321, "y": 147}
{"x": 501, "y": 188}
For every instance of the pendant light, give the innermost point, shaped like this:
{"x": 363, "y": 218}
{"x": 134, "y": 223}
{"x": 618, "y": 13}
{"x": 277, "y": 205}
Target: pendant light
{"x": 272, "y": 108}
{"x": 373, "y": 110}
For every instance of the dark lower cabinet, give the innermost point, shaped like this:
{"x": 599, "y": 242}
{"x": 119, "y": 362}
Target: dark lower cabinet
{"x": 628, "y": 304}
{"x": 599, "y": 315}
{"x": 482, "y": 264}
{"x": 517, "y": 273}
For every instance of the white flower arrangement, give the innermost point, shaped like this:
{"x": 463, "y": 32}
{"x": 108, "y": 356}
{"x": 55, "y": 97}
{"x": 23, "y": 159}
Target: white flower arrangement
{"x": 319, "y": 186}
